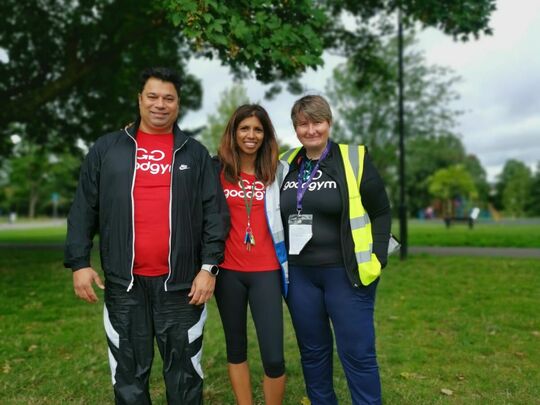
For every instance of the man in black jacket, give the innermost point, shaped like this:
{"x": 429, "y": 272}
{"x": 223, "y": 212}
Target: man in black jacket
{"x": 152, "y": 194}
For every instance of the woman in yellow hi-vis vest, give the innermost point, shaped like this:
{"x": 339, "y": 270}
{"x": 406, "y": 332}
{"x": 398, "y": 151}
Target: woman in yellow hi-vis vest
{"x": 337, "y": 227}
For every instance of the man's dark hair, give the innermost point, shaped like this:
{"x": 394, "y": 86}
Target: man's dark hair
{"x": 163, "y": 74}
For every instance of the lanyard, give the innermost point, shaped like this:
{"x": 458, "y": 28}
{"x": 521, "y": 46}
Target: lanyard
{"x": 303, "y": 186}
{"x": 249, "y": 239}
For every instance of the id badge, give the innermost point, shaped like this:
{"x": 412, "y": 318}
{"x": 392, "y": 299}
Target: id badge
{"x": 300, "y": 232}
{"x": 393, "y": 245}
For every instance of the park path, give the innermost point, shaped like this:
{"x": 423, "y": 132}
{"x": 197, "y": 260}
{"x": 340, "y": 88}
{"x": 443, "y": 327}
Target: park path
{"x": 32, "y": 225}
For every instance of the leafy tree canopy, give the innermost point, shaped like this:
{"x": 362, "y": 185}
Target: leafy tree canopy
{"x": 72, "y": 65}
{"x": 452, "y": 182}
{"x": 33, "y": 174}
{"x": 479, "y": 175}
{"x": 367, "y": 114}
{"x": 360, "y": 41}
{"x": 513, "y": 187}
{"x": 534, "y": 201}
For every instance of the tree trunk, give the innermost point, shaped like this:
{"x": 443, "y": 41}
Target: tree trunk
{"x": 32, "y": 202}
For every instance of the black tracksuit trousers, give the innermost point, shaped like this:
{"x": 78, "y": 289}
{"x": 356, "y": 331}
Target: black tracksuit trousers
{"x": 132, "y": 320}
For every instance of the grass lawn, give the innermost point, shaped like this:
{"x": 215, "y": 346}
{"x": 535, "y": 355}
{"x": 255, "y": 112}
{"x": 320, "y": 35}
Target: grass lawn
{"x": 38, "y": 235}
{"x": 467, "y": 325}
{"x": 484, "y": 234}
{"x": 421, "y": 233}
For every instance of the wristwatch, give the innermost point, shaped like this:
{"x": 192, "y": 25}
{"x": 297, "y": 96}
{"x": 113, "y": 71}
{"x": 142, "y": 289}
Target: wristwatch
{"x": 211, "y": 268}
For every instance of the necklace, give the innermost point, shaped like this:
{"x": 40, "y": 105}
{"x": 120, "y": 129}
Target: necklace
{"x": 249, "y": 239}
{"x": 308, "y": 168}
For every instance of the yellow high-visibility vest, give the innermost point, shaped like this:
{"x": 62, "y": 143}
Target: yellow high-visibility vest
{"x": 369, "y": 267}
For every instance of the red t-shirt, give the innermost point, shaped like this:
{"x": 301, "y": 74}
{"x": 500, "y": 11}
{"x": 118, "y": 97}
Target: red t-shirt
{"x": 262, "y": 256}
{"x": 151, "y": 201}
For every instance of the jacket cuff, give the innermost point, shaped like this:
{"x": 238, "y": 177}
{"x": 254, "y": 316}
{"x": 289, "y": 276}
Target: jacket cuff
{"x": 77, "y": 265}
{"x": 210, "y": 261}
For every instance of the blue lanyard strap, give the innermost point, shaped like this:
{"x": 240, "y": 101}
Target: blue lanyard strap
{"x": 303, "y": 186}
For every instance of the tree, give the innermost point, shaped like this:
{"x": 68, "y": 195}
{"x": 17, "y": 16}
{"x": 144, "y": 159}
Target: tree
{"x": 479, "y": 175}
{"x": 230, "y": 100}
{"x": 367, "y": 114}
{"x": 71, "y": 65}
{"x": 4, "y": 184}
{"x": 534, "y": 201}
{"x": 34, "y": 173}
{"x": 427, "y": 155}
{"x": 451, "y": 183}
{"x": 360, "y": 42}
{"x": 513, "y": 187}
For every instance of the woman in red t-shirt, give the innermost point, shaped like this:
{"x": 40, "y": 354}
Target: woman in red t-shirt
{"x": 250, "y": 272}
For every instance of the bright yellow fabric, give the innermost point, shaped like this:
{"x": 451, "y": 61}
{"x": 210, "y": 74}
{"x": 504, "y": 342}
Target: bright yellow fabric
{"x": 369, "y": 267}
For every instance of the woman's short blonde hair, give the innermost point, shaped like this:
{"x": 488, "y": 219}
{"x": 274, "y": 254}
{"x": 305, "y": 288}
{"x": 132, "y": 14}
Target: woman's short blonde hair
{"x": 314, "y": 107}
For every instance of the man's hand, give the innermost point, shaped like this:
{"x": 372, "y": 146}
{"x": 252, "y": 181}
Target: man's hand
{"x": 82, "y": 283}
{"x": 202, "y": 288}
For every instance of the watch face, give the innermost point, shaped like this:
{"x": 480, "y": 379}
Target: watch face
{"x": 214, "y": 270}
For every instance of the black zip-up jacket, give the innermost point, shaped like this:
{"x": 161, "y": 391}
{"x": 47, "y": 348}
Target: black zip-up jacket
{"x": 104, "y": 203}
{"x": 374, "y": 200}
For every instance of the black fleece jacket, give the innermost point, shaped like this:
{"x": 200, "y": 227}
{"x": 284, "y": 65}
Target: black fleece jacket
{"x": 374, "y": 200}
{"x": 104, "y": 203}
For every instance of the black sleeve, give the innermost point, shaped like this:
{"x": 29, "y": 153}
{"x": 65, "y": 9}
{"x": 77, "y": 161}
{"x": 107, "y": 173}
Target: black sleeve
{"x": 223, "y": 207}
{"x": 83, "y": 217}
{"x": 215, "y": 216}
{"x": 377, "y": 205}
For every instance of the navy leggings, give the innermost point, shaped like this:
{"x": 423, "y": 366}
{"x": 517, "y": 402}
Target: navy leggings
{"x": 262, "y": 289}
{"x": 317, "y": 297}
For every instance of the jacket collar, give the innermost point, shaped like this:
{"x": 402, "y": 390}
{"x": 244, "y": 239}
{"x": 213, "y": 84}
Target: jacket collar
{"x": 179, "y": 136}
{"x": 302, "y": 155}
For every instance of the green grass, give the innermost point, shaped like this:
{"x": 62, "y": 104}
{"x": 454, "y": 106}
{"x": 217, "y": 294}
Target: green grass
{"x": 421, "y": 233}
{"x": 469, "y": 325}
{"x": 493, "y": 234}
{"x": 38, "y": 235}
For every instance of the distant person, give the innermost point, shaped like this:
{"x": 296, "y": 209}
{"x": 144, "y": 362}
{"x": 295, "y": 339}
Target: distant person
{"x": 255, "y": 257}
{"x": 152, "y": 194}
{"x": 338, "y": 227}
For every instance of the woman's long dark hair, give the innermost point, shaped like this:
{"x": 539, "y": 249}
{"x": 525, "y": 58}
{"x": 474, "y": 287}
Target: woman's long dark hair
{"x": 267, "y": 155}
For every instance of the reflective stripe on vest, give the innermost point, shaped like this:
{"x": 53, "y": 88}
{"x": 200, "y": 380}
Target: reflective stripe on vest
{"x": 289, "y": 155}
{"x": 369, "y": 267}
{"x": 273, "y": 217}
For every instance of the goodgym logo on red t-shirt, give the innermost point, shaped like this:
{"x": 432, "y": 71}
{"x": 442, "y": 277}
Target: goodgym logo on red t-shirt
{"x": 261, "y": 256}
{"x": 152, "y": 161}
{"x": 256, "y": 187}
{"x": 151, "y": 199}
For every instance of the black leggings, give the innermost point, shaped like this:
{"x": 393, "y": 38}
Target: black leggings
{"x": 234, "y": 289}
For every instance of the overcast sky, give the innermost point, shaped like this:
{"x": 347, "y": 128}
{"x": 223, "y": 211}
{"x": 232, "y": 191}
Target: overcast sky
{"x": 500, "y": 87}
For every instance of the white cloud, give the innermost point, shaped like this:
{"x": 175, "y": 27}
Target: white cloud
{"x": 500, "y": 87}
{"x": 4, "y": 58}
